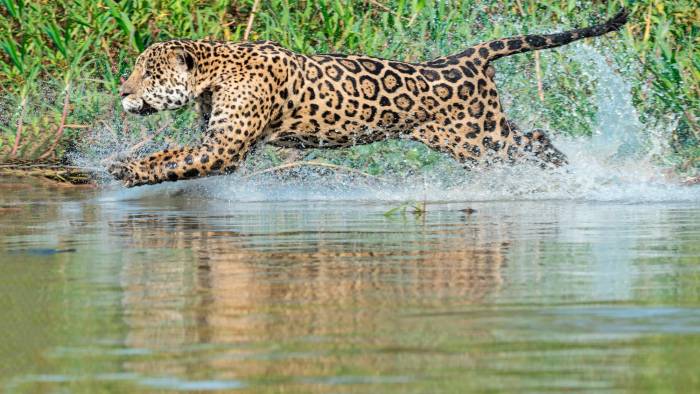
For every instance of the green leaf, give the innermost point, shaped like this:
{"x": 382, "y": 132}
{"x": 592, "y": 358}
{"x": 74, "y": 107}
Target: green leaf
{"x": 10, "y": 48}
{"x": 11, "y": 9}
{"x": 55, "y": 33}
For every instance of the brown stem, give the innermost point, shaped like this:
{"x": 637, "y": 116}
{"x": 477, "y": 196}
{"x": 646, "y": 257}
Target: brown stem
{"x": 77, "y": 126}
{"x": 112, "y": 63}
{"x": 538, "y": 70}
{"x": 387, "y": 9}
{"x": 645, "y": 36}
{"x": 520, "y": 7}
{"x": 538, "y": 73}
{"x": 20, "y": 124}
{"x": 61, "y": 126}
{"x": 251, "y": 18}
{"x": 693, "y": 124}
{"x": 125, "y": 123}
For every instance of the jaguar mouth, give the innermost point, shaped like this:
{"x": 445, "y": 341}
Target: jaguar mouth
{"x": 146, "y": 109}
{"x": 137, "y": 106}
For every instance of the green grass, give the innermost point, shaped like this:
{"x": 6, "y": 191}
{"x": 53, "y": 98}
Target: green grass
{"x": 67, "y": 57}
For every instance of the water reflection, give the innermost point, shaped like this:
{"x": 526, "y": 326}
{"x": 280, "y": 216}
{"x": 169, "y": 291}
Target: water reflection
{"x": 182, "y": 293}
{"x": 259, "y": 284}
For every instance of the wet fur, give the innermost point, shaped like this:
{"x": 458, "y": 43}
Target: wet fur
{"x": 261, "y": 92}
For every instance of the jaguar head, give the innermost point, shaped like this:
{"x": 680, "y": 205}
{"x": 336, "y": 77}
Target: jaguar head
{"x": 163, "y": 78}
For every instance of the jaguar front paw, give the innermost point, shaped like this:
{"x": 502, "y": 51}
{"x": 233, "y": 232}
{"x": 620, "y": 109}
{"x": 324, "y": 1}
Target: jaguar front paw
{"x": 126, "y": 173}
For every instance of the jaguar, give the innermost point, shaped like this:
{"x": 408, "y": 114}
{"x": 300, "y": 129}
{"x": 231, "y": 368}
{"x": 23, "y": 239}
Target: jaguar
{"x": 252, "y": 93}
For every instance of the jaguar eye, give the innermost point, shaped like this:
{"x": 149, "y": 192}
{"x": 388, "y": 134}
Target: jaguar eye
{"x": 147, "y": 74}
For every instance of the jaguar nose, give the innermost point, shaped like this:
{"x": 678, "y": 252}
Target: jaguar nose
{"x": 125, "y": 89}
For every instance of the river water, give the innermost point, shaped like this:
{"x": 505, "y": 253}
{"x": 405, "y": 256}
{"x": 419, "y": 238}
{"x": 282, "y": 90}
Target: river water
{"x": 215, "y": 285}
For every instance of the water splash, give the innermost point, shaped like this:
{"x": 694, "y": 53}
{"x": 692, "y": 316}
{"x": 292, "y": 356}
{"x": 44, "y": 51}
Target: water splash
{"x": 620, "y": 162}
{"x": 588, "y": 178}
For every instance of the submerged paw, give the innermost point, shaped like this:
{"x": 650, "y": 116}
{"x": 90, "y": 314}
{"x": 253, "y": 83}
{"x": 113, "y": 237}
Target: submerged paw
{"x": 124, "y": 172}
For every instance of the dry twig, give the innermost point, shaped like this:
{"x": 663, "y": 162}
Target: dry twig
{"x": 693, "y": 123}
{"x": 538, "y": 70}
{"x": 77, "y": 126}
{"x": 20, "y": 124}
{"x": 538, "y": 74}
{"x": 387, "y": 9}
{"x": 61, "y": 126}
{"x": 251, "y": 18}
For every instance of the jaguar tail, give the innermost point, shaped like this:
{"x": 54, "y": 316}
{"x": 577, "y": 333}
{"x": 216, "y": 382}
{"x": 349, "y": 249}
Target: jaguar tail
{"x": 496, "y": 49}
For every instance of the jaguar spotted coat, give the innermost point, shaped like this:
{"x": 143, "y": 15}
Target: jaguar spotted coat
{"x": 249, "y": 93}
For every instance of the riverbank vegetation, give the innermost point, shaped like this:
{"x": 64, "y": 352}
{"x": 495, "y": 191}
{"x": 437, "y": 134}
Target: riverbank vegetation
{"x": 61, "y": 63}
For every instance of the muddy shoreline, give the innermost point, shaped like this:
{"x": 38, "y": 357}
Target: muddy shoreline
{"x": 66, "y": 174}
{"x": 53, "y": 171}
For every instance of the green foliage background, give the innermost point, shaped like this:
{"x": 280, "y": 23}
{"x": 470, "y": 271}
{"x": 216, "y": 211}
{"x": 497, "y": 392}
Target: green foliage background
{"x": 61, "y": 62}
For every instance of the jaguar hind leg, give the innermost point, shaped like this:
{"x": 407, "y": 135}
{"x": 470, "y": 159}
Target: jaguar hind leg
{"x": 542, "y": 147}
{"x": 449, "y": 140}
{"x": 535, "y": 145}
{"x": 490, "y": 148}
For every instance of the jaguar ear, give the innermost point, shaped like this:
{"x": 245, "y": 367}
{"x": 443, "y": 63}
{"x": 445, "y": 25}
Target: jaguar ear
{"x": 185, "y": 58}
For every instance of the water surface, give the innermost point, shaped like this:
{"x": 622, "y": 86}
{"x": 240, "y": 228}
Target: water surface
{"x": 184, "y": 290}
